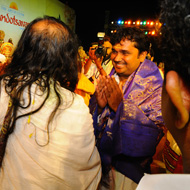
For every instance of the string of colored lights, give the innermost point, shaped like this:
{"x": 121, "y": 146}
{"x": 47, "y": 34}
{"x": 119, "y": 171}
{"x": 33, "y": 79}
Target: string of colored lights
{"x": 149, "y": 26}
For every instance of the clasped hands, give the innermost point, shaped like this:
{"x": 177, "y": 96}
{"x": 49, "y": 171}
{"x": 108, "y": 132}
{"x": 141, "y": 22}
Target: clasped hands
{"x": 108, "y": 93}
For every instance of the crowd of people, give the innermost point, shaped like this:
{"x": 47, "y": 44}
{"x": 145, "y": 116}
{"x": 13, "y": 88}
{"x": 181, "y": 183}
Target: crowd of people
{"x": 98, "y": 121}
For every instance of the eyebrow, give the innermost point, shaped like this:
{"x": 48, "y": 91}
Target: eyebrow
{"x": 122, "y": 51}
{"x": 125, "y": 51}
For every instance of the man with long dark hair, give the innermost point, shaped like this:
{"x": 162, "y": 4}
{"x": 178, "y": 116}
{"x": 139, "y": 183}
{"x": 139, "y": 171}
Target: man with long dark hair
{"x": 51, "y": 144}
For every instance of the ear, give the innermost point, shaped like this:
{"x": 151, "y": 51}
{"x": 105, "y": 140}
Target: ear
{"x": 179, "y": 96}
{"x": 142, "y": 56}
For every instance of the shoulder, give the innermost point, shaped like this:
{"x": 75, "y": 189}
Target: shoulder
{"x": 149, "y": 73}
{"x": 149, "y": 68}
{"x": 76, "y": 117}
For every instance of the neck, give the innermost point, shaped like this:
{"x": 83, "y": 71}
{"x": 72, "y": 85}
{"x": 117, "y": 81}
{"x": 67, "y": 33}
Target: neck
{"x": 123, "y": 79}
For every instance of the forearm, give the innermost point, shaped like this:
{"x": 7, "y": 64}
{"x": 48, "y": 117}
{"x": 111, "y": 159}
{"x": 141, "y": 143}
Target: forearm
{"x": 99, "y": 66}
{"x": 101, "y": 70}
{"x": 87, "y": 65}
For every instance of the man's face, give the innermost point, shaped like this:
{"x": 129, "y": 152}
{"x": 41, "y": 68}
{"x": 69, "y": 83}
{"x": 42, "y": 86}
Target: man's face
{"x": 125, "y": 57}
{"x": 108, "y": 46}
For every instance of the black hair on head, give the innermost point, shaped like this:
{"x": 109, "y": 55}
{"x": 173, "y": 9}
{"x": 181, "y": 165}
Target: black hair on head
{"x": 133, "y": 34}
{"x": 175, "y": 38}
{"x": 48, "y": 48}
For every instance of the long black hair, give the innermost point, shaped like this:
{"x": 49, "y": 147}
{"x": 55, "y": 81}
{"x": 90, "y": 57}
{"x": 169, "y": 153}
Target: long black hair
{"x": 175, "y": 38}
{"x": 46, "y": 54}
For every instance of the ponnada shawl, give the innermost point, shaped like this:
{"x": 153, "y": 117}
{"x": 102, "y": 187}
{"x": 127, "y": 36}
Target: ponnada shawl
{"x": 128, "y": 137}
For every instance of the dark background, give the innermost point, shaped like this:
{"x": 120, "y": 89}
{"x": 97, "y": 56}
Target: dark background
{"x": 91, "y": 16}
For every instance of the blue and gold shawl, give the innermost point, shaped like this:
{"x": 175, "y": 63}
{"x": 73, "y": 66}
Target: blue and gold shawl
{"x": 128, "y": 138}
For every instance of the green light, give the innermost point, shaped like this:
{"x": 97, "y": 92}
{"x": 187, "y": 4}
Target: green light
{"x": 146, "y": 33}
{"x": 144, "y": 23}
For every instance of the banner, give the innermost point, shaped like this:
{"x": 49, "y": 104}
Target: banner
{"x": 16, "y": 14}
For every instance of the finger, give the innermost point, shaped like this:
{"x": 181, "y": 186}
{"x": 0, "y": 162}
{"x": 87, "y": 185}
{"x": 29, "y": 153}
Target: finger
{"x": 110, "y": 85}
{"x": 107, "y": 92}
{"x": 103, "y": 80}
{"x": 108, "y": 88}
{"x": 100, "y": 92}
{"x": 100, "y": 80}
{"x": 101, "y": 83}
{"x": 115, "y": 84}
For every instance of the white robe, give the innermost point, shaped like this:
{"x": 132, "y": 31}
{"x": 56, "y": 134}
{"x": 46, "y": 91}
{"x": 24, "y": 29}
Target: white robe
{"x": 70, "y": 161}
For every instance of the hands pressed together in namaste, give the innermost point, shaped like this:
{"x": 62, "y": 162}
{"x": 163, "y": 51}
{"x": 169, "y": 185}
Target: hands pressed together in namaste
{"x": 108, "y": 92}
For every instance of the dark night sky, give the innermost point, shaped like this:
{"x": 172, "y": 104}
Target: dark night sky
{"x": 90, "y": 15}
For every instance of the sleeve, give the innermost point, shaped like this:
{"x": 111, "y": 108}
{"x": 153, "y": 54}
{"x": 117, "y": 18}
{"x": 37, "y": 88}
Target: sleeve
{"x": 81, "y": 157}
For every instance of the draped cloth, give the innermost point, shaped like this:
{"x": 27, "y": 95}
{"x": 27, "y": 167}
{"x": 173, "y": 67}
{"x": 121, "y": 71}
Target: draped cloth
{"x": 68, "y": 161}
{"x": 85, "y": 88}
{"x": 128, "y": 138}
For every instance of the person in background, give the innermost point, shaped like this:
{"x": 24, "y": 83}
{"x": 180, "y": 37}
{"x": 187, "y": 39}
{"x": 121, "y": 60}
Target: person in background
{"x": 172, "y": 156}
{"x": 104, "y": 67}
{"x": 51, "y": 142}
{"x": 84, "y": 87}
{"x": 127, "y": 120}
{"x": 103, "y": 64}
{"x": 3, "y": 63}
{"x": 150, "y": 54}
{"x": 7, "y": 49}
{"x": 2, "y": 36}
{"x": 83, "y": 57}
{"x": 175, "y": 48}
{"x": 2, "y": 59}
{"x": 90, "y": 65}
{"x": 161, "y": 68}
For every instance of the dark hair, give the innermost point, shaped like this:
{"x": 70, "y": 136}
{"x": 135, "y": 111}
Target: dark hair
{"x": 107, "y": 38}
{"x": 133, "y": 34}
{"x": 46, "y": 55}
{"x": 175, "y": 39}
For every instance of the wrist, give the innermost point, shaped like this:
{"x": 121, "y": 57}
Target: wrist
{"x": 100, "y": 110}
{"x": 100, "y": 68}
{"x": 90, "y": 59}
